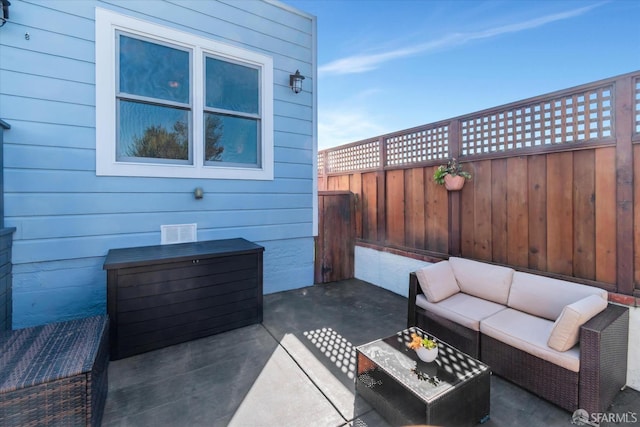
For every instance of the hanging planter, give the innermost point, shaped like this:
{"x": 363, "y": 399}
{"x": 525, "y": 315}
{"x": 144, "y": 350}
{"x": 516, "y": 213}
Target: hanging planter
{"x": 451, "y": 175}
{"x": 454, "y": 183}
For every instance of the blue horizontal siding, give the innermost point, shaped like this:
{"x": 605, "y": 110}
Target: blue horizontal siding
{"x": 50, "y": 158}
{"x": 68, "y": 289}
{"x": 49, "y": 134}
{"x": 291, "y": 170}
{"x": 39, "y": 64}
{"x": 41, "y": 181}
{"x": 67, "y": 218}
{"x": 98, "y": 225}
{"x": 69, "y": 204}
{"x": 294, "y": 155}
{"x": 47, "y": 88}
{"x": 294, "y": 110}
{"x": 47, "y": 42}
{"x": 234, "y": 23}
{"x": 39, "y": 14}
{"x": 294, "y": 140}
{"x": 43, "y": 250}
{"x": 46, "y": 111}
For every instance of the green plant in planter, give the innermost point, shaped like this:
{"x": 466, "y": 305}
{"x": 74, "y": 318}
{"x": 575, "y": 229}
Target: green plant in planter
{"x": 418, "y": 341}
{"x": 452, "y": 168}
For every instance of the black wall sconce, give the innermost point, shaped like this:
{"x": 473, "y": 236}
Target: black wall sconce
{"x": 295, "y": 81}
{"x": 4, "y": 17}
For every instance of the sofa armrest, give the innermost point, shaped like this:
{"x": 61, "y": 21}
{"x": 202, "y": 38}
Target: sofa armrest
{"x": 604, "y": 344}
{"x": 414, "y": 291}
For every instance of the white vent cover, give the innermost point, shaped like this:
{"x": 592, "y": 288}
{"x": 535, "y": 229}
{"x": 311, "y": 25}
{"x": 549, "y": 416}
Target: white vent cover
{"x": 178, "y": 233}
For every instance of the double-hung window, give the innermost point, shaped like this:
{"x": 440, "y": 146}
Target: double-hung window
{"x": 172, "y": 104}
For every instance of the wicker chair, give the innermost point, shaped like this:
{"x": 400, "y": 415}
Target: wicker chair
{"x": 54, "y": 374}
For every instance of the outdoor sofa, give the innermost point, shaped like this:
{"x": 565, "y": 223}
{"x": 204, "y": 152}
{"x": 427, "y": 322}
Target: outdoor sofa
{"x": 561, "y": 340}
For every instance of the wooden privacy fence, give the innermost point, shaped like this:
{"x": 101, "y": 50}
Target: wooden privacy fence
{"x": 552, "y": 190}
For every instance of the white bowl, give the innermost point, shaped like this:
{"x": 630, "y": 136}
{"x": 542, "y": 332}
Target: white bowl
{"x": 427, "y": 355}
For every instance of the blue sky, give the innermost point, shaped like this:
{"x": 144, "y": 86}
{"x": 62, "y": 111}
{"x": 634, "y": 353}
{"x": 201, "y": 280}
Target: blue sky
{"x": 387, "y": 65}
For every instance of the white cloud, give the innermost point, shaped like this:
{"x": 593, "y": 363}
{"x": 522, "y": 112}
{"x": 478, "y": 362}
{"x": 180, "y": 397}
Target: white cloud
{"x": 363, "y": 63}
{"x": 345, "y": 125}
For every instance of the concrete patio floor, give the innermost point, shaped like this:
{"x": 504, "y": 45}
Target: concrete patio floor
{"x": 297, "y": 368}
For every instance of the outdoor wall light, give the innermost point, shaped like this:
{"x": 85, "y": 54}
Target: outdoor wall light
{"x": 4, "y": 16}
{"x": 198, "y": 193}
{"x": 295, "y": 81}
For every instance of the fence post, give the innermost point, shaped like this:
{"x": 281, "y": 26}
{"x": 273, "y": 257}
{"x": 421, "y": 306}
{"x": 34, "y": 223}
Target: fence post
{"x": 623, "y": 128}
{"x": 325, "y": 169}
{"x": 455, "y": 229}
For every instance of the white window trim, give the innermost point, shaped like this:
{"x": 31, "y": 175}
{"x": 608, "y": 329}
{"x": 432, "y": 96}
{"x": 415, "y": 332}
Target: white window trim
{"x": 107, "y": 22}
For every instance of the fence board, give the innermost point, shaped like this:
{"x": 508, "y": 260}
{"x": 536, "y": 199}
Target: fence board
{"x": 517, "y": 213}
{"x": 605, "y": 212}
{"x": 437, "y": 214}
{"x": 467, "y": 219}
{"x": 370, "y": 207}
{"x": 482, "y": 206}
{"x": 338, "y": 183}
{"x": 355, "y": 186}
{"x": 584, "y": 214}
{"x": 414, "y": 211}
{"x": 560, "y": 213}
{"x": 537, "y": 202}
{"x": 499, "y": 210}
{"x": 394, "y": 205}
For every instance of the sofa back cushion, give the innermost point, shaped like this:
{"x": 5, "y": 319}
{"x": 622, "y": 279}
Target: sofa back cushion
{"x": 437, "y": 281}
{"x": 482, "y": 280}
{"x": 566, "y": 330}
{"x": 546, "y": 297}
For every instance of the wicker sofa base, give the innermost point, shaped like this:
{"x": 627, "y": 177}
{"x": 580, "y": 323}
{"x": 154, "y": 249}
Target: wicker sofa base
{"x": 54, "y": 374}
{"x": 545, "y": 379}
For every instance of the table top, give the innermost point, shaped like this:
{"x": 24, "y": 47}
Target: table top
{"x": 428, "y": 381}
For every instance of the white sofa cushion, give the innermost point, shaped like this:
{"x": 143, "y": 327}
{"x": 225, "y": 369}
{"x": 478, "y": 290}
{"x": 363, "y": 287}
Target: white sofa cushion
{"x": 461, "y": 308}
{"x": 547, "y": 297}
{"x": 530, "y": 334}
{"x": 486, "y": 281}
{"x": 437, "y": 281}
{"x": 566, "y": 329}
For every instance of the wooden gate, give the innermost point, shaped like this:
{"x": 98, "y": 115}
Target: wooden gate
{"x": 335, "y": 244}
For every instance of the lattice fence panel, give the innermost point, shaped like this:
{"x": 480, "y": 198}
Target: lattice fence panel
{"x": 419, "y": 146}
{"x": 573, "y": 118}
{"x": 320, "y": 163}
{"x": 356, "y": 157}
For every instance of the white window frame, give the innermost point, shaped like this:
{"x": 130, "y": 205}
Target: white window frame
{"x": 107, "y": 23}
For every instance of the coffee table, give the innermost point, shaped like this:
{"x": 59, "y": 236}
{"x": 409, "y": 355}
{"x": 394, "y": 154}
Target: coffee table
{"x": 453, "y": 390}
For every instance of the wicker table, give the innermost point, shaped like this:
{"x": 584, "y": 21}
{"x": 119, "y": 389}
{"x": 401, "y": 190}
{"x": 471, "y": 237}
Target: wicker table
{"x": 54, "y": 374}
{"x": 452, "y": 390}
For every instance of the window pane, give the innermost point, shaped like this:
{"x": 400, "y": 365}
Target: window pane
{"x": 153, "y": 70}
{"x": 231, "y": 86}
{"x": 231, "y": 139}
{"x": 152, "y": 131}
